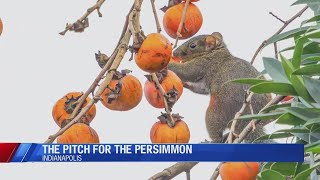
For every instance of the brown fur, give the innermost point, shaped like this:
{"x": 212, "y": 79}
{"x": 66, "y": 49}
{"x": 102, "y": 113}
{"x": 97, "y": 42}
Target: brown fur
{"x": 206, "y": 69}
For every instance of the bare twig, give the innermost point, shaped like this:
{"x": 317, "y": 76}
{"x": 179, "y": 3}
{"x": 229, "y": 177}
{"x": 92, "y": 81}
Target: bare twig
{"x": 173, "y": 171}
{"x": 181, "y": 25}
{"x": 277, "y": 17}
{"x": 236, "y": 117}
{"x": 216, "y": 172}
{"x": 263, "y": 44}
{"x": 247, "y": 130}
{"x": 171, "y": 122}
{"x": 134, "y": 21}
{"x": 275, "y": 50}
{"x": 156, "y": 18}
{"x": 116, "y": 59}
{"x": 188, "y": 175}
{"x": 97, "y": 6}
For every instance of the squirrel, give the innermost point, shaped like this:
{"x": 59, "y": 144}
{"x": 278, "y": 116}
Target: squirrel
{"x": 207, "y": 67}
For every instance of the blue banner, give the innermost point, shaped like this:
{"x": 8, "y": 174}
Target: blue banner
{"x": 31, "y": 152}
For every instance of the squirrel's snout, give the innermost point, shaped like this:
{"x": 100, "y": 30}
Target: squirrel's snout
{"x": 179, "y": 53}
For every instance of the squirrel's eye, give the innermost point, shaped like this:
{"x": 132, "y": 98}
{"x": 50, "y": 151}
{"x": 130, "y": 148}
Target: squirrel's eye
{"x": 193, "y": 45}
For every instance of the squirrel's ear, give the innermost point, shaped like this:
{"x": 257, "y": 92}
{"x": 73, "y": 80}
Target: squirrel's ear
{"x": 218, "y": 37}
{"x": 214, "y": 40}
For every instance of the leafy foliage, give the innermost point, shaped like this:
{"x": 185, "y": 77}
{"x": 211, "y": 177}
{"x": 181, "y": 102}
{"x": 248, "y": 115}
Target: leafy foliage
{"x": 296, "y": 76}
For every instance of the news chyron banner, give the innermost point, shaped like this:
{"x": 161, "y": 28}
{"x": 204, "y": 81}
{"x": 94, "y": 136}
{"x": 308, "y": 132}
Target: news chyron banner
{"x": 32, "y": 152}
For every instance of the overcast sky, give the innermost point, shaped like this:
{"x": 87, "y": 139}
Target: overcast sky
{"x": 38, "y": 67}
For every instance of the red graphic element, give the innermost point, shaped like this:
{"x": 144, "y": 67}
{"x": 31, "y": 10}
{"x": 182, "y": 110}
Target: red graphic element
{"x": 7, "y": 150}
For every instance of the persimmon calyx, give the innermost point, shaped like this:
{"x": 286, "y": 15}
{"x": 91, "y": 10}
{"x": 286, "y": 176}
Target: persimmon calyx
{"x": 71, "y": 103}
{"x": 102, "y": 59}
{"x": 114, "y": 93}
{"x": 79, "y": 26}
{"x": 172, "y": 97}
{"x": 170, "y": 4}
{"x": 164, "y": 118}
{"x": 161, "y": 75}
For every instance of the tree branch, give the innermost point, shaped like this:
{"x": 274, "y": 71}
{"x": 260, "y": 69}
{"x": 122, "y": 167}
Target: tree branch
{"x": 170, "y": 121}
{"x": 72, "y": 27}
{"x": 277, "y": 17}
{"x": 236, "y": 117}
{"x": 156, "y": 18}
{"x": 245, "y": 132}
{"x": 173, "y": 171}
{"x": 275, "y": 50}
{"x": 263, "y": 44}
{"x": 184, "y": 14}
{"x": 114, "y": 62}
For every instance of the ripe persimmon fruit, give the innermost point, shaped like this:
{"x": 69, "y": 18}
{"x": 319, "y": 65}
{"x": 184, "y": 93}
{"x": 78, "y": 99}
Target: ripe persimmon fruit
{"x": 79, "y": 133}
{"x": 123, "y": 94}
{"x": 239, "y": 170}
{"x": 64, "y": 107}
{"x": 173, "y": 16}
{"x": 170, "y": 82}
{"x": 1, "y": 26}
{"x": 162, "y": 133}
{"x": 154, "y": 53}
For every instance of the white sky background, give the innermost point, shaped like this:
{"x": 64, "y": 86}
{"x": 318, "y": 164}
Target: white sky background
{"x": 38, "y": 66}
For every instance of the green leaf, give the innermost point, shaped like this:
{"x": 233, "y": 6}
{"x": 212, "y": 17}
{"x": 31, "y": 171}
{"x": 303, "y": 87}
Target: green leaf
{"x": 304, "y": 113}
{"x": 267, "y": 166}
{"x": 297, "y": 81}
{"x": 298, "y": 84}
{"x": 249, "y": 81}
{"x": 274, "y": 136}
{"x": 310, "y": 62}
{"x": 313, "y": 147}
{"x": 305, "y": 103}
{"x": 276, "y": 106}
{"x": 275, "y": 70}
{"x": 290, "y": 34}
{"x": 271, "y": 175}
{"x": 287, "y": 49}
{"x": 287, "y": 66}
{"x": 298, "y": 104}
{"x": 267, "y": 116}
{"x": 313, "y": 35}
{"x": 306, "y": 173}
{"x": 300, "y": 167}
{"x": 308, "y": 70}
{"x": 303, "y": 133}
{"x": 313, "y": 86}
{"x": 289, "y": 119}
{"x": 273, "y": 87}
{"x": 313, "y": 56}
{"x": 284, "y": 168}
{"x": 313, "y": 19}
{"x": 294, "y": 130}
{"x": 311, "y": 47}
{"x": 305, "y": 137}
{"x": 297, "y": 54}
{"x": 306, "y": 2}
{"x": 315, "y": 8}
{"x": 313, "y": 121}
